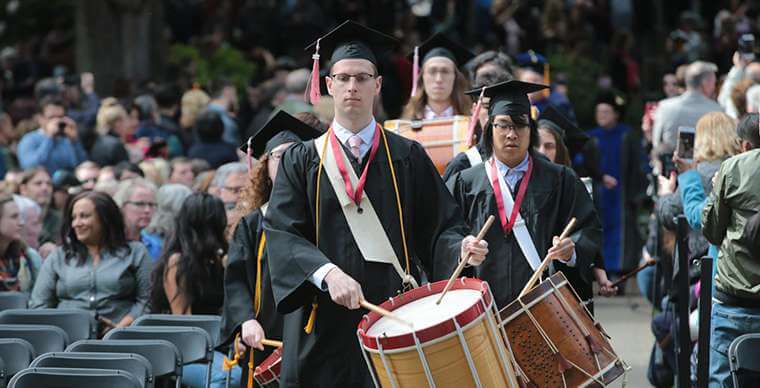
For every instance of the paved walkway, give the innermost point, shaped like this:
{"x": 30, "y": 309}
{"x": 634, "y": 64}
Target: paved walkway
{"x": 627, "y": 320}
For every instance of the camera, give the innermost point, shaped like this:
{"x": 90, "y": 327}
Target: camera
{"x": 746, "y": 47}
{"x": 61, "y": 129}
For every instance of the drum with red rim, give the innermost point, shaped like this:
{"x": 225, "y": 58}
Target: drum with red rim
{"x": 268, "y": 371}
{"x": 453, "y": 344}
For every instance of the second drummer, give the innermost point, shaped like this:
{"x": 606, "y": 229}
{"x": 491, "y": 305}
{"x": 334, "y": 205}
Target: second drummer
{"x": 547, "y": 197}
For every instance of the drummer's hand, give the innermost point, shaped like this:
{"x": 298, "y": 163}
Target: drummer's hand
{"x": 344, "y": 290}
{"x": 476, "y": 250}
{"x": 252, "y": 334}
{"x": 607, "y": 289}
{"x": 562, "y": 250}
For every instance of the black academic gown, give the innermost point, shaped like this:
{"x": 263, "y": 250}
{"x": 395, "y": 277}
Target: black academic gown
{"x": 239, "y": 288}
{"x": 554, "y": 195}
{"x": 330, "y": 356}
{"x": 461, "y": 162}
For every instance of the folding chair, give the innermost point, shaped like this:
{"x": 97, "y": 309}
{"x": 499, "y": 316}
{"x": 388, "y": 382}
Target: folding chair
{"x": 17, "y": 354}
{"x": 212, "y": 324}
{"x": 133, "y": 363}
{"x": 194, "y": 344}
{"x": 744, "y": 360}
{"x": 13, "y": 300}
{"x": 165, "y": 359}
{"x": 2, "y": 372}
{"x": 44, "y": 338}
{"x": 78, "y": 324}
{"x": 65, "y": 378}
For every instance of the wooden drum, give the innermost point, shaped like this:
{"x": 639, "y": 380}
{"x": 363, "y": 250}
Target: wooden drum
{"x": 443, "y": 139}
{"x": 268, "y": 372}
{"x": 454, "y": 344}
{"x": 555, "y": 341}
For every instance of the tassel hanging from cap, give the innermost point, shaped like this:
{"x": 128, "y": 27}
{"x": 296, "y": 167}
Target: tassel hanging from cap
{"x": 309, "y": 328}
{"x": 249, "y": 155}
{"x": 415, "y": 70}
{"x": 313, "y": 87}
{"x": 474, "y": 119}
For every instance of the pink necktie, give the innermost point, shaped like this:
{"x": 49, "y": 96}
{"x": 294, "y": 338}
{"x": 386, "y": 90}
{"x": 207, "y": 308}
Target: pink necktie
{"x": 354, "y": 142}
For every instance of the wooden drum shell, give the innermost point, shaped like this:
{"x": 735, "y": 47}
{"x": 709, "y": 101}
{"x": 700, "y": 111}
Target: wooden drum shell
{"x": 443, "y": 139}
{"x": 531, "y": 351}
{"x": 445, "y": 355}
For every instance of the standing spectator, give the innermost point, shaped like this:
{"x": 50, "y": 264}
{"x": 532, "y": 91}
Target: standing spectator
{"x": 19, "y": 265}
{"x": 621, "y": 186}
{"x": 137, "y": 199}
{"x": 193, "y": 102}
{"x": 227, "y": 184}
{"x": 81, "y": 100}
{"x": 37, "y": 185}
{"x": 753, "y": 99}
{"x": 224, "y": 102}
{"x": 685, "y": 109}
{"x": 114, "y": 132}
{"x": 55, "y": 145}
{"x": 96, "y": 269}
{"x": 210, "y": 146}
{"x": 189, "y": 277}
{"x": 149, "y": 117}
{"x": 734, "y": 199}
{"x": 670, "y": 85}
{"x": 741, "y": 70}
{"x": 170, "y": 198}
{"x": 181, "y": 171}
{"x": 295, "y": 86}
{"x": 167, "y": 99}
{"x": 31, "y": 221}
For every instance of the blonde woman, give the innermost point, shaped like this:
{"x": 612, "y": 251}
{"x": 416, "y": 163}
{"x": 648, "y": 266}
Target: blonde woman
{"x": 114, "y": 132}
{"x": 714, "y": 142}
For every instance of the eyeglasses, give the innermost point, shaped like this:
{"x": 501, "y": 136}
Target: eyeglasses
{"x": 142, "y": 205}
{"x": 233, "y": 189}
{"x": 343, "y": 78}
{"x": 509, "y": 127}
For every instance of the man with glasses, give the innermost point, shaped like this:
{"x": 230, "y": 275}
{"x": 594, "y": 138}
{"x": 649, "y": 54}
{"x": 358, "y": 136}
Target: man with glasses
{"x": 137, "y": 199}
{"x": 532, "y": 198}
{"x": 55, "y": 145}
{"x": 227, "y": 184}
{"x": 334, "y": 239}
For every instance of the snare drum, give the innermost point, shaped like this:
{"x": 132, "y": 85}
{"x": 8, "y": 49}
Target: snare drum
{"x": 454, "y": 344}
{"x": 268, "y": 372}
{"x": 443, "y": 139}
{"x": 555, "y": 340}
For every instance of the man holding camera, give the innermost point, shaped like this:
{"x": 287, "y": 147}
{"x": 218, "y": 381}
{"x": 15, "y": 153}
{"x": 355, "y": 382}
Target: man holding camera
{"x": 55, "y": 145}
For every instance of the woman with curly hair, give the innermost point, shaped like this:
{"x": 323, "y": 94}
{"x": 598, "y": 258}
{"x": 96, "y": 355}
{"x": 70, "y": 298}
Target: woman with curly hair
{"x": 249, "y": 312}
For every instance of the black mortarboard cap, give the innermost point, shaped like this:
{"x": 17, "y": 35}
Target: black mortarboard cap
{"x": 509, "y": 97}
{"x": 573, "y": 136}
{"x": 613, "y": 99}
{"x": 439, "y": 45}
{"x": 280, "y": 129}
{"x": 352, "y": 40}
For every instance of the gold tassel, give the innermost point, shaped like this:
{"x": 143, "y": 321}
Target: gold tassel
{"x": 227, "y": 364}
{"x": 309, "y": 328}
{"x": 547, "y": 79}
{"x": 250, "y": 370}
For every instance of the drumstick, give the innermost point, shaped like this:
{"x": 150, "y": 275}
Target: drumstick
{"x": 272, "y": 343}
{"x": 536, "y": 275}
{"x": 384, "y": 312}
{"x": 625, "y": 277}
{"x": 462, "y": 263}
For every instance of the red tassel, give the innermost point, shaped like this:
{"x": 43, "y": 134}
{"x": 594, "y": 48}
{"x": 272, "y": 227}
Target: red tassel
{"x": 474, "y": 119}
{"x": 415, "y": 70}
{"x": 314, "y": 92}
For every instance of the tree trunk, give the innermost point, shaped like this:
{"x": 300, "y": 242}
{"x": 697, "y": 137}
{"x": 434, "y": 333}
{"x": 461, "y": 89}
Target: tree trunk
{"x": 120, "y": 39}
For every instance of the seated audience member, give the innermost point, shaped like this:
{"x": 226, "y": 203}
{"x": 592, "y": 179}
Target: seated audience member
{"x": 127, "y": 170}
{"x": 169, "y": 198}
{"x": 189, "y": 276}
{"x": 96, "y": 269}
{"x": 113, "y": 134}
{"x": 137, "y": 199}
{"x": 181, "y": 171}
{"x": 37, "y": 185}
{"x": 31, "y": 222}
{"x": 19, "y": 264}
{"x": 210, "y": 145}
{"x": 227, "y": 184}
{"x": 87, "y": 174}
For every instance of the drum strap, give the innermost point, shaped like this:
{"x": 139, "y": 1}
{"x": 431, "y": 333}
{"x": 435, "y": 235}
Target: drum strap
{"x": 519, "y": 229}
{"x": 365, "y": 226}
{"x": 473, "y": 156}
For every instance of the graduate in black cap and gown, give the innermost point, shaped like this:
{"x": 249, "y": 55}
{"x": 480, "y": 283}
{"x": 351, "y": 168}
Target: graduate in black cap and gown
{"x": 249, "y": 312}
{"x": 353, "y": 215}
{"x": 532, "y": 198}
{"x": 438, "y": 86}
